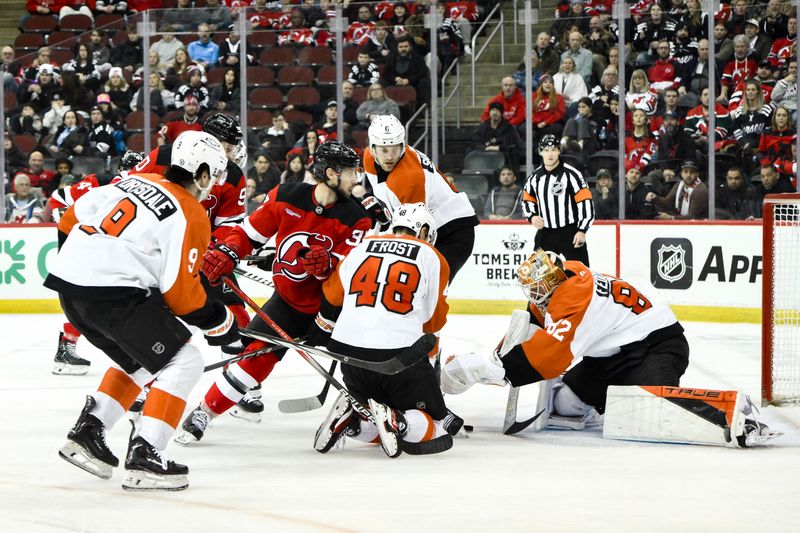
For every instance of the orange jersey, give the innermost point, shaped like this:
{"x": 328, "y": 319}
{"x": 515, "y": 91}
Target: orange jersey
{"x": 139, "y": 233}
{"x": 590, "y": 315}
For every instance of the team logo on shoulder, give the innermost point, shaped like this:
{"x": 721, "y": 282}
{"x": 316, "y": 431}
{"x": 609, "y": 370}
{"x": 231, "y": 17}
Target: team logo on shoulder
{"x": 158, "y": 348}
{"x": 288, "y": 252}
{"x": 671, "y": 263}
{"x": 514, "y": 243}
{"x": 210, "y": 202}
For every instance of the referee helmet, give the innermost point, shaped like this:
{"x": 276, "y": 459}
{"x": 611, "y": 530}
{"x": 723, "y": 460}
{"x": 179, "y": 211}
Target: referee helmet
{"x": 549, "y": 141}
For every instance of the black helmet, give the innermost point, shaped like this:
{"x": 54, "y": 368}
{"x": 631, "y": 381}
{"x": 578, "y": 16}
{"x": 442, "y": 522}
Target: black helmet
{"x": 335, "y": 155}
{"x": 549, "y": 141}
{"x": 129, "y": 160}
{"x": 223, "y": 127}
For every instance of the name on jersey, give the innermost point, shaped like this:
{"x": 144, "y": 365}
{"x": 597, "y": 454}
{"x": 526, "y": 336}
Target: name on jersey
{"x": 406, "y": 249}
{"x": 151, "y": 196}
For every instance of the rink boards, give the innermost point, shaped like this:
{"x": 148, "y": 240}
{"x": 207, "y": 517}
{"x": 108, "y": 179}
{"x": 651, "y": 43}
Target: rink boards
{"x": 708, "y": 271}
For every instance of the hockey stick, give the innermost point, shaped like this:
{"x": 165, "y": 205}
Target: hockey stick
{"x": 299, "y": 405}
{"x": 510, "y": 424}
{"x": 389, "y": 367}
{"x": 258, "y": 278}
{"x": 240, "y": 357}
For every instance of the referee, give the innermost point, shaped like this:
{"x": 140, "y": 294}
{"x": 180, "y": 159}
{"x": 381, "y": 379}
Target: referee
{"x": 558, "y": 203}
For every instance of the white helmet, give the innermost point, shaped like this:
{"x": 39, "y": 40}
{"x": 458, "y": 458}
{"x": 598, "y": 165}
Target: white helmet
{"x": 415, "y": 217}
{"x": 386, "y": 130}
{"x": 193, "y": 148}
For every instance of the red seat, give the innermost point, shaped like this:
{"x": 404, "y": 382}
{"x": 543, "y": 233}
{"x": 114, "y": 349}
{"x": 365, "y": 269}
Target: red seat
{"x": 25, "y": 142}
{"x": 402, "y": 94}
{"x": 62, "y": 39}
{"x": 298, "y": 116}
{"x": 313, "y": 56}
{"x": 173, "y": 115}
{"x": 260, "y": 76}
{"x": 75, "y": 23}
{"x": 136, "y": 142}
{"x": 261, "y": 39}
{"x": 109, "y": 21}
{"x": 277, "y": 57}
{"x": 40, "y": 24}
{"x": 350, "y": 54}
{"x": 27, "y": 42}
{"x": 258, "y": 118}
{"x": 361, "y": 138}
{"x": 216, "y": 76}
{"x": 327, "y": 75}
{"x": 302, "y": 95}
{"x": 294, "y": 76}
{"x": 266, "y": 98}
{"x": 9, "y": 100}
{"x": 187, "y": 38}
{"x": 61, "y": 56}
{"x": 119, "y": 38}
{"x": 359, "y": 94}
{"x": 135, "y": 121}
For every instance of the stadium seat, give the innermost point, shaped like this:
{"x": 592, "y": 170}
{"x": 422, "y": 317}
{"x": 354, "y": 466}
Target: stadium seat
{"x": 258, "y": 118}
{"x": 266, "y": 98}
{"x": 359, "y": 94}
{"x": 28, "y": 42}
{"x": 361, "y": 138}
{"x": 134, "y": 122}
{"x": 25, "y": 142}
{"x": 260, "y": 76}
{"x": 109, "y": 22}
{"x": 75, "y": 23}
{"x": 302, "y": 95}
{"x": 350, "y": 54}
{"x": 295, "y": 76}
{"x": 480, "y": 162}
{"x": 298, "y": 116}
{"x": 327, "y": 75}
{"x": 40, "y": 24}
{"x": 119, "y": 38}
{"x": 61, "y": 56}
{"x": 472, "y": 184}
{"x": 277, "y": 57}
{"x": 136, "y": 142}
{"x": 313, "y": 56}
{"x": 608, "y": 159}
{"x": 216, "y": 76}
{"x": 261, "y": 39}
{"x": 9, "y": 100}
{"x": 62, "y": 39}
{"x": 477, "y": 201}
{"x": 402, "y": 94}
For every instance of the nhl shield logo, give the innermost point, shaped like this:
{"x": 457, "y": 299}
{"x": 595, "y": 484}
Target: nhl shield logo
{"x": 158, "y": 348}
{"x": 671, "y": 263}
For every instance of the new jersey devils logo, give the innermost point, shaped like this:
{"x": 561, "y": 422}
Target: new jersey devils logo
{"x": 287, "y": 253}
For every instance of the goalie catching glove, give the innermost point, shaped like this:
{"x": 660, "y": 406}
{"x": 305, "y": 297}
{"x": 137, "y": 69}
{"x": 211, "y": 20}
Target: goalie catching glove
{"x": 219, "y": 261}
{"x": 460, "y": 372}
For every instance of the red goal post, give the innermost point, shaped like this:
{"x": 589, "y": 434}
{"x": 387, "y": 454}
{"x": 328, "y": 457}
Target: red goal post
{"x": 780, "y": 304}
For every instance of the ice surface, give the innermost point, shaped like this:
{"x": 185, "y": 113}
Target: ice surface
{"x": 266, "y": 477}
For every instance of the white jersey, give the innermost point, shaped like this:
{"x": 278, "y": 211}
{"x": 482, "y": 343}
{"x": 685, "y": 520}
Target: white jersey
{"x": 391, "y": 289}
{"x": 591, "y": 315}
{"x": 143, "y": 232}
{"x": 415, "y": 179}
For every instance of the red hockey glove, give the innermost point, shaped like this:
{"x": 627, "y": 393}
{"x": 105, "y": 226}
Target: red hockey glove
{"x": 219, "y": 261}
{"x": 316, "y": 261}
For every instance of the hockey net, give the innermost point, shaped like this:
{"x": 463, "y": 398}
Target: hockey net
{"x": 780, "y": 376}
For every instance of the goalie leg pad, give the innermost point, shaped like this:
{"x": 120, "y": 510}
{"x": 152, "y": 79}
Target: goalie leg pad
{"x": 460, "y": 372}
{"x": 676, "y": 414}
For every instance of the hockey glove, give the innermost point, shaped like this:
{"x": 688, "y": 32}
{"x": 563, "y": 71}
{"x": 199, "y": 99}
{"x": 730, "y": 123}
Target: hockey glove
{"x": 320, "y": 331}
{"x": 316, "y": 261}
{"x": 219, "y": 261}
{"x": 377, "y": 211}
{"x": 225, "y": 333}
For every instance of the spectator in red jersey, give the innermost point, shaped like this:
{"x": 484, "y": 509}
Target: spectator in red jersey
{"x": 189, "y": 121}
{"x": 359, "y": 31}
{"x": 776, "y": 141}
{"x": 640, "y": 145}
{"x": 464, "y": 13}
{"x": 664, "y": 73}
{"x": 39, "y": 176}
{"x": 549, "y": 110}
{"x": 297, "y": 33}
{"x": 741, "y": 67}
{"x": 781, "y": 48}
{"x": 62, "y": 8}
{"x": 135, "y": 6}
{"x": 512, "y": 100}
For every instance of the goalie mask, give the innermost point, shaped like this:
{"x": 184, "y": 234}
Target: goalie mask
{"x": 540, "y": 275}
{"x": 415, "y": 217}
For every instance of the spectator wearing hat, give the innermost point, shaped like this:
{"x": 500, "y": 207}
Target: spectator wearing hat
{"x": 735, "y": 197}
{"x": 100, "y": 140}
{"x": 504, "y": 201}
{"x": 674, "y": 142}
{"x": 189, "y": 122}
{"x": 637, "y": 206}
{"x": 688, "y": 199}
{"x": 327, "y": 127}
{"x": 118, "y": 91}
{"x": 497, "y": 135}
{"x": 759, "y": 44}
{"x": 684, "y": 46}
{"x": 765, "y": 78}
{"x": 204, "y": 51}
{"x": 605, "y": 196}
{"x": 113, "y": 116}
{"x": 195, "y": 87}
{"x": 512, "y": 100}
{"x": 167, "y": 46}
{"x": 39, "y": 93}
{"x": 129, "y": 54}
{"x": 364, "y": 72}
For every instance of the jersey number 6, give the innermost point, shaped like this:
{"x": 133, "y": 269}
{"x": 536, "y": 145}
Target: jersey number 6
{"x": 396, "y": 290}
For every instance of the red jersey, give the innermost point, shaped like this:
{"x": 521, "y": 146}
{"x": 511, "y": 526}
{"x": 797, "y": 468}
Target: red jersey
{"x": 359, "y": 33}
{"x": 224, "y": 204}
{"x": 513, "y": 108}
{"x": 297, "y": 221}
{"x": 63, "y": 198}
{"x": 462, "y": 9}
{"x": 176, "y": 127}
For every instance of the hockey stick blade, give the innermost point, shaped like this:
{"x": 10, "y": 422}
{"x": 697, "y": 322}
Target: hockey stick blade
{"x": 516, "y": 427}
{"x": 389, "y": 367}
{"x": 510, "y": 423}
{"x": 299, "y": 405}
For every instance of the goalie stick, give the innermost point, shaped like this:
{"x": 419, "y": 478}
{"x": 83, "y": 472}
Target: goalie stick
{"x": 299, "y": 405}
{"x": 510, "y": 423}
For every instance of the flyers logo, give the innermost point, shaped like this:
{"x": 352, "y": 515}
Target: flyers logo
{"x": 287, "y": 253}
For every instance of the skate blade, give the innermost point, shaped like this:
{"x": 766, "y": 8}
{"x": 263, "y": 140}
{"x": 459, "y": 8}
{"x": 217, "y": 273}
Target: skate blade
{"x": 140, "y": 481}
{"x": 762, "y": 439}
{"x": 184, "y": 438}
{"x": 245, "y": 415}
{"x": 63, "y": 369}
{"x": 75, "y": 454}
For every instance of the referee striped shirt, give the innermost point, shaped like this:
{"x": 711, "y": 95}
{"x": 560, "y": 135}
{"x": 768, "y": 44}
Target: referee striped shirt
{"x": 560, "y": 196}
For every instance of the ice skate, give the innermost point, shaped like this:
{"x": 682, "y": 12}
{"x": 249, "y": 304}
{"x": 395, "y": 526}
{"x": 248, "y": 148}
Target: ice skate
{"x": 67, "y": 361}
{"x": 148, "y": 468}
{"x": 391, "y": 427}
{"x": 194, "y": 427}
{"x": 341, "y": 421}
{"x": 754, "y": 432}
{"x": 86, "y": 447}
{"x": 249, "y": 407}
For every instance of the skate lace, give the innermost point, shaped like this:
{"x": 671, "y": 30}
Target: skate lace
{"x": 161, "y": 457}
{"x": 200, "y": 419}
{"x": 69, "y": 347}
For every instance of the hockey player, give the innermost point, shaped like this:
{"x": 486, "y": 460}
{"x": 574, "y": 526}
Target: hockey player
{"x": 145, "y": 235}
{"x": 225, "y": 206}
{"x": 399, "y": 174}
{"x": 630, "y": 349}
{"x": 314, "y": 226}
{"x": 66, "y": 360}
{"x": 383, "y": 296}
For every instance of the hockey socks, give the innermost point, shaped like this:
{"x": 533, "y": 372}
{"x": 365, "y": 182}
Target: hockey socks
{"x": 230, "y": 387}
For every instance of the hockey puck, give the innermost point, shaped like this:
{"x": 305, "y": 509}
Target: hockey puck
{"x": 468, "y": 428}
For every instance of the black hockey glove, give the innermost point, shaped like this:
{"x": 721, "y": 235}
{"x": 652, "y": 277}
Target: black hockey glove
{"x": 377, "y": 211}
{"x": 319, "y": 334}
{"x": 224, "y": 333}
